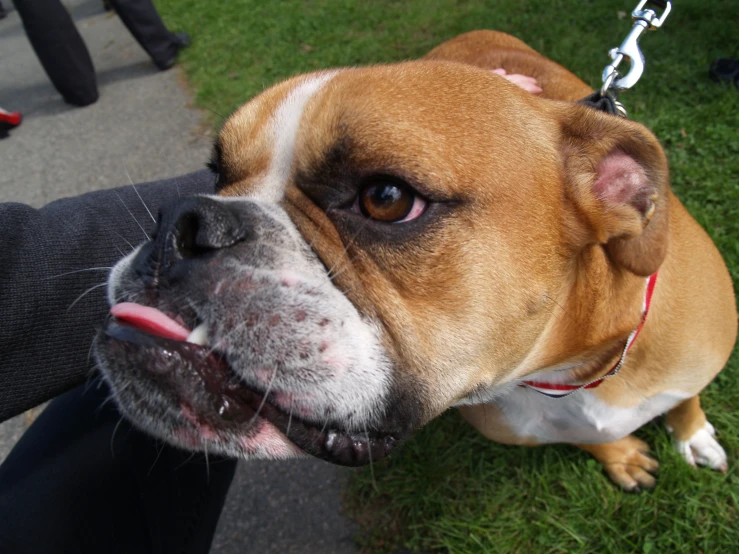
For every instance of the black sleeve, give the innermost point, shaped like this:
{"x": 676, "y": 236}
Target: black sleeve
{"x": 50, "y": 310}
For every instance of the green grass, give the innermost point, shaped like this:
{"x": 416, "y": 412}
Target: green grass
{"x": 449, "y": 489}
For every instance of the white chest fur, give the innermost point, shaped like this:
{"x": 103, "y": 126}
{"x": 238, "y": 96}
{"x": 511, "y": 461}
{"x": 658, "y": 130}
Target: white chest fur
{"x": 579, "y": 418}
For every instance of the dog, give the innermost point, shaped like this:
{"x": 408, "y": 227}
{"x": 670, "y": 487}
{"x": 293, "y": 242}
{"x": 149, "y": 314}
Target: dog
{"x": 391, "y": 241}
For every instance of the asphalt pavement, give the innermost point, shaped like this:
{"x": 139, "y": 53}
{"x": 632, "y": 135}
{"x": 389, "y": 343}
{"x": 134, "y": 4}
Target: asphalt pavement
{"x": 144, "y": 126}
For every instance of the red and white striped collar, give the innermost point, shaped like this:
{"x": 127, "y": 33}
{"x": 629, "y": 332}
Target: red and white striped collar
{"x": 553, "y": 390}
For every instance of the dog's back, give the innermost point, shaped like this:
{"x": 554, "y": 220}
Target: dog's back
{"x": 493, "y": 49}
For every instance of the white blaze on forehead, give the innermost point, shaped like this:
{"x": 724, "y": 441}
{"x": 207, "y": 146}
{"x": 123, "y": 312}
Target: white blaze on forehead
{"x": 284, "y": 127}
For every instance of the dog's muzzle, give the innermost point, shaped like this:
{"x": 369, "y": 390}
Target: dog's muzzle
{"x": 231, "y": 337}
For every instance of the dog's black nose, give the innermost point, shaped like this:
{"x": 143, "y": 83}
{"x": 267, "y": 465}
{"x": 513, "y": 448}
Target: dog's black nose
{"x": 191, "y": 227}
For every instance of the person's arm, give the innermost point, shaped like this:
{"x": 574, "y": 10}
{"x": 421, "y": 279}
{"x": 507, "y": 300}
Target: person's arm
{"x": 49, "y": 310}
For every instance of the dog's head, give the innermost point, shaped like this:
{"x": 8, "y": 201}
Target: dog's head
{"x": 386, "y": 242}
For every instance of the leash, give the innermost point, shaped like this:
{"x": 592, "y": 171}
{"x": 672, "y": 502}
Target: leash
{"x": 557, "y": 390}
{"x": 645, "y": 19}
{"x": 606, "y": 100}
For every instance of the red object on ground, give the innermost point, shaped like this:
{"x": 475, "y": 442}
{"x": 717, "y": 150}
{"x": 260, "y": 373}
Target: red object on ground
{"x": 13, "y": 118}
{"x": 8, "y": 121}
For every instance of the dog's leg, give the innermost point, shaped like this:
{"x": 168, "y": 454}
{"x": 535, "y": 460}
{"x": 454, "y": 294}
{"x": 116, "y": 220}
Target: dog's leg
{"x": 695, "y": 436}
{"x": 626, "y": 462}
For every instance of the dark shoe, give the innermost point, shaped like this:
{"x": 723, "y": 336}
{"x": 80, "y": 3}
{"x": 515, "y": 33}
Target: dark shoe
{"x": 725, "y": 70}
{"x": 8, "y": 121}
{"x": 81, "y": 100}
{"x": 180, "y": 41}
{"x": 3, "y": 13}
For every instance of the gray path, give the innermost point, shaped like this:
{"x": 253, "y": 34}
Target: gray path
{"x": 143, "y": 125}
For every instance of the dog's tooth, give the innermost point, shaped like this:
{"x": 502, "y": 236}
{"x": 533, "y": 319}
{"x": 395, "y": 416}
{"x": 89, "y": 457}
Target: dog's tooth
{"x": 199, "y": 335}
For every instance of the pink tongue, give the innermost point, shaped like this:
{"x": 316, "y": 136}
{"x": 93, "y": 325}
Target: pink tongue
{"x": 150, "y": 320}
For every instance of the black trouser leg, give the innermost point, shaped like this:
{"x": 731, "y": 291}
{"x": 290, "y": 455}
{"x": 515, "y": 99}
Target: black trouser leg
{"x": 69, "y": 485}
{"x": 60, "y": 49}
{"x": 143, "y": 22}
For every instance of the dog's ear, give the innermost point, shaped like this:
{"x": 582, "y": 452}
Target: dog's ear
{"x": 616, "y": 184}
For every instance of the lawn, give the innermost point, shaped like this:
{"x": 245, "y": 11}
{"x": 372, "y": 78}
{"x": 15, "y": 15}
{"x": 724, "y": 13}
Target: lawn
{"x": 449, "y": 489}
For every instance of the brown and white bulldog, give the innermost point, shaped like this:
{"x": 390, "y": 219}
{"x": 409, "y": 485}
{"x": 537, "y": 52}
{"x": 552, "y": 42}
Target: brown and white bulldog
{"x": 391, "y": 241}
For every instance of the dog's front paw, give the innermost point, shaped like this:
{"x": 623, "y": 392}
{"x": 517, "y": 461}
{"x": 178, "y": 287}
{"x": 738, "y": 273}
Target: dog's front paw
{"x": 631, "y": 467}
{"x": 703, "y": 449}
{"x": 626, "y": 461}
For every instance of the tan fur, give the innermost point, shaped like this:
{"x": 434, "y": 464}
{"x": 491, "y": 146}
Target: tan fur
{"x": 686, "y": 418}
{"x": 489, "y": 420}
{"x": 493, "y": 49}
{"x": 529, "y": 269}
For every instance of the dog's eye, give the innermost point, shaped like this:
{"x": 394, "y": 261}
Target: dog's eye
{"x": 389, "y": 202}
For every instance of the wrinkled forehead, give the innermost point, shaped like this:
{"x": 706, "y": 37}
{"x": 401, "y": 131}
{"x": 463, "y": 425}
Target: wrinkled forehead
{"x": 382, "y": 117}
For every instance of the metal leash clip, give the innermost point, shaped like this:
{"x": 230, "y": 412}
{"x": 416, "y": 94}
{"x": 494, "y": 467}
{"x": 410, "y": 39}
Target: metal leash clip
{"x": 644, "y": 20}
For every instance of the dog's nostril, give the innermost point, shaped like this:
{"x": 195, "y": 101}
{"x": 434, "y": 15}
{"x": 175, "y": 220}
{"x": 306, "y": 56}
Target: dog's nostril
{"x": 195, "y": 226}
{"x": 186, "y": 233}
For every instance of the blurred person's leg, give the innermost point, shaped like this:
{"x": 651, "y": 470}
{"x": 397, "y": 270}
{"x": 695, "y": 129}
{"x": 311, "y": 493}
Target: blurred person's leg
{"x": 146, "y": 26}
{"x": 83, "y": 480}
{"x": 60, "y": 49}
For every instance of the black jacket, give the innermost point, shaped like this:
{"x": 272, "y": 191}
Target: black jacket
{"x": 49, "y": 309}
